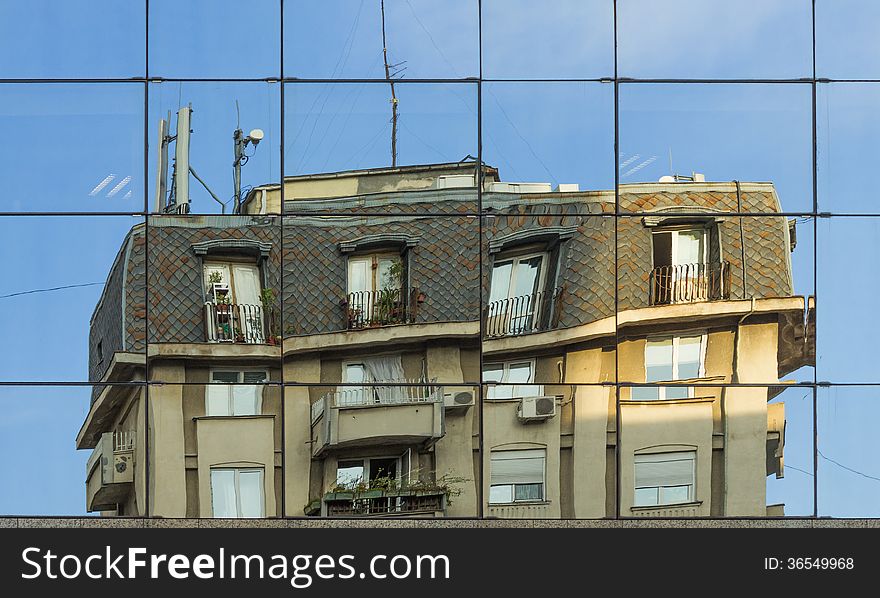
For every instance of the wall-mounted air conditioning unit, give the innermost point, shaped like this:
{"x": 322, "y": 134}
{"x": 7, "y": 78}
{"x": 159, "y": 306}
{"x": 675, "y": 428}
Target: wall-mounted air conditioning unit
{"x": 536, "y": 408}
{"x": 458, "y": 398}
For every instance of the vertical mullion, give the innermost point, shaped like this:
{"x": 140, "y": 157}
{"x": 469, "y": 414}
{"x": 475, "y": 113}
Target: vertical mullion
{"x": 617, "y": 431}
{"x": 146, "y": 216}
{"x": 480, "y": 281}
{"x": 283, "y": 509}
{"x": 815, "y": 157}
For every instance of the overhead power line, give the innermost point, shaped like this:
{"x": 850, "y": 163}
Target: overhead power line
{"x": 69, "y": 286}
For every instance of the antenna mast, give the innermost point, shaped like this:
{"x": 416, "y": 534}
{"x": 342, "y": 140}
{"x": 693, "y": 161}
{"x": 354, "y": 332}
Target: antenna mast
{"x": 393, "y": 95}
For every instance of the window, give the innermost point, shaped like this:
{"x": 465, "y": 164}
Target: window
{"x": 370, "y": 371}
{"x": 351, "y": 472}
{"x": 516, "y": 277}
{"x": 375, "y": 272}
{"x": 515, "y": 296}
{"x": 234, "y": 291}
{"x": 669, "y": 359}
{"x": 681, "y": 273}
{"x": 664, "y": 478}
{"x": 237, "y": 492}
{"x": 232, "y": 283}
{"x": 517, "y": 476}
{"x": 235, "y": 393}
{"x": 514, "y": 379}
{"x": 679, "y": 247}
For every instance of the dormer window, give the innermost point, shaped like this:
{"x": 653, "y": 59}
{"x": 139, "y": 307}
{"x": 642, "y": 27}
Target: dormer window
{"x": 683, "y": 271}
{"x": 233, "y": 302}
{"x": 375, "y": 294}
{"x": 516, "y": 296}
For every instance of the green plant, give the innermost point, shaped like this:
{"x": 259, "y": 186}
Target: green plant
{"x": 215, "y": 278}
{"x": 267, "y": 298}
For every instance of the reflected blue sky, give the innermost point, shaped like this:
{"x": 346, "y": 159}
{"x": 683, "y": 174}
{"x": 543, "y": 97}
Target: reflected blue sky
{"x": 69, "y": 146}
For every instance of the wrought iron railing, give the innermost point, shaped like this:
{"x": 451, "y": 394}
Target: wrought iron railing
{"x": 535, "y": 312}
{"x": 365, "y": 309}
{"x": 234, "y": 323}
{"x": 685, "y": 283}
{"x": 396, "y": 503}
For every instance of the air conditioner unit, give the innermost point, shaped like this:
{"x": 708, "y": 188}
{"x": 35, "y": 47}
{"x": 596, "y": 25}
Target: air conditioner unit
{"x": 123, "y": 467}
{"x": 536, "y": 408}
{"x": 459, "y": 399}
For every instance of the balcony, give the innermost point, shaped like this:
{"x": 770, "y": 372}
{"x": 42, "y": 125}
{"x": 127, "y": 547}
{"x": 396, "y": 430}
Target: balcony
{"x": 536, "y": 312}
{"x": 385, "y": 503}
{"x": 689, "y": 283}
{"x": 236, "y": 323}
{"x": 110, "y": 471}
{"x": 399, "y": 413}
{"x": 385, "y": 307}
{"x": 691, "y": 509}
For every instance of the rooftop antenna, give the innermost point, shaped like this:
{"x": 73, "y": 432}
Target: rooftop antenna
{"x": 393, "y": 95}
{"x": 178, "y": 200}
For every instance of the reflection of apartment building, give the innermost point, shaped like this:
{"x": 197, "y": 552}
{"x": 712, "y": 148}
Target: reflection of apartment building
{"x": 373, "y": 321}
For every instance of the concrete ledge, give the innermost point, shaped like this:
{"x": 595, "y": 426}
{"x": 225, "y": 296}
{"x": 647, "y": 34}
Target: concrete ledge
{"x": 645, "y": 316}
{"x": 214, "y": 351}
{"x": 368, "y": 337}
{"x": 318, "y": 523}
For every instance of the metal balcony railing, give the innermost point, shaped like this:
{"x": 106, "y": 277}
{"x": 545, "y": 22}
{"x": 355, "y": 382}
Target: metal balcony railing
{"x": 536, "y": 312}
{"x": 123, "y": 440}
{"x": 385, "y": 392}
{"x": 234, "y": 323}
{"x": 686, "y": 283}
{"x": 385, "y": 307}
{"x": 395, "y": 503}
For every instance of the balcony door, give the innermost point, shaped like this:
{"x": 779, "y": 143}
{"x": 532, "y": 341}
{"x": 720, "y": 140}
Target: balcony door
{"x": 375, "y": 292}
{"x": 680, "y": 265}
{"x": 237, "y": 312}
{"x": 515, "y": 294}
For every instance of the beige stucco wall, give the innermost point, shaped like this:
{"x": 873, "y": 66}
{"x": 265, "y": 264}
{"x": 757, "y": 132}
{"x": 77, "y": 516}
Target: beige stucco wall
{"x": 236, "y": 442}
{"x": 167, "y": 469}
{"x": 297, "y": 430}
{"x": 591, "y": 408}
{"x": 503, "y": 431}
{"x": 745, "y": 412}
{"x": 454, "y": 452}
{"x": 666, "y": 426}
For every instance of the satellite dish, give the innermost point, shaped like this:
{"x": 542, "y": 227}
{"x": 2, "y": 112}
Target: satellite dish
{"x": 256, "y": 135}
{"x": 667, "y": 179}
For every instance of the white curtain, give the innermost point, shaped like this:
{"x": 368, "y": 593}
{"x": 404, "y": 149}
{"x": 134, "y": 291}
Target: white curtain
{"x": 386, "y": 368}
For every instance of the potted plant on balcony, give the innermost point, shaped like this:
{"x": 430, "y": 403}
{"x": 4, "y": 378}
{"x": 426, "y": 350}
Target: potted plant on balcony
{"x": 267, "y": 298}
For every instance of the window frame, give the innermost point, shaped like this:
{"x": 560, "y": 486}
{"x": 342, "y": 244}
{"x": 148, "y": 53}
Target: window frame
{"x": 674, "y": 231}
{"x": 229, "y": 264}
{"x": 374, "y": 258}
{"x": 228, "y": 386}
{"x": 514, "y": 257}
{"x": 513, "y": 486}
{"x": 237, "y": 490}
{"x": 505, "y": 374}
{"x": 367, "y": 465}
{"x": 692, "y": 487}
{"x": 675, "y": 338}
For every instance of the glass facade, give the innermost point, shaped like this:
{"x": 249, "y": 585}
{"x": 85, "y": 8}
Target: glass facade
{"x": 589, "y": 260}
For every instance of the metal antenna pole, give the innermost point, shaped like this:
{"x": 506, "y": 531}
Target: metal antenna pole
{"x": 239, "y": 142}
{"x": 393, "y": 95}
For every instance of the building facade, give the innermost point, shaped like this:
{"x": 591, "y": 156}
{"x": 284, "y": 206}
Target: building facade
{"x": 548, "y": 358}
